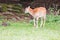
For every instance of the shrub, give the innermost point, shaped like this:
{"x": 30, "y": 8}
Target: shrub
{"x": 4, "y": 7}
{"x": 53, "y": 18}
{"x": 17, "y": 8}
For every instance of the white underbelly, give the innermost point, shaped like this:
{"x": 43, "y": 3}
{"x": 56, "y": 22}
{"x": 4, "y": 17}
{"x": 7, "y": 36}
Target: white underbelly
{"x": 39, "y": 15}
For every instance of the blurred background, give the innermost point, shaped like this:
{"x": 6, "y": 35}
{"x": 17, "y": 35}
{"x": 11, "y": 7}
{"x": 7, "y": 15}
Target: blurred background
{"x": 16, "y": 25}
{"x": 14, "y": 9}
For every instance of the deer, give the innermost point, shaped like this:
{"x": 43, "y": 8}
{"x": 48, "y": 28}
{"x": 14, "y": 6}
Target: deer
{"x": 39, "y": 12}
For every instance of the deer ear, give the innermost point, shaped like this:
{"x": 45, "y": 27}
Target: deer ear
{"x": 28, "y": 6}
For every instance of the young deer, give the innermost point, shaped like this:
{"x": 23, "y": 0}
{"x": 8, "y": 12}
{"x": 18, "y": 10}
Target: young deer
{"x": 37, "y": 13}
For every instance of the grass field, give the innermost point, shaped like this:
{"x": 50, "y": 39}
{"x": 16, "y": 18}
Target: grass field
{"x": 26, "y": 31}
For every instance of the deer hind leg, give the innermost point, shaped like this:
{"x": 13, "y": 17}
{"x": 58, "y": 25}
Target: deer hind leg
{"x": 44, "y": 21}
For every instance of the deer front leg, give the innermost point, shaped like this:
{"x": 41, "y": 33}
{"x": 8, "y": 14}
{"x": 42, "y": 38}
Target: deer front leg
{"x": 41, "y": 22}
{"x": 34, "y": 22}
{"x": 44, "y": 21}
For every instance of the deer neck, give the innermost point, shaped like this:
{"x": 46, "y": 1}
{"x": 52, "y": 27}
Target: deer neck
{"x": 31, "y": 11}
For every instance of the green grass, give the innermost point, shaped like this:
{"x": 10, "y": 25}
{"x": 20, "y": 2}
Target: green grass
{"x": 26, "y": 31}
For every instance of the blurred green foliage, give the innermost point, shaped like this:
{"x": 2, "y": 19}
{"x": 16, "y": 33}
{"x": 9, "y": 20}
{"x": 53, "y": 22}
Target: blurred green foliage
{"x": 52, "y": 18}
{"x": 15, "y": 7}
{"x": 4, "y": 7}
